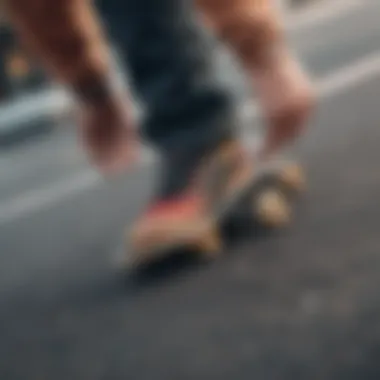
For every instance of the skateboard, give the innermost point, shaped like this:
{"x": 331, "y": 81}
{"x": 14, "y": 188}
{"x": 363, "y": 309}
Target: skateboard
{"x": 267, "y": 196}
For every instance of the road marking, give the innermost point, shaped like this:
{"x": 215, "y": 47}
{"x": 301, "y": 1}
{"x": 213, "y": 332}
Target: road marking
{"x": 38, "y": 199}
{"x": 320, "y": 13}
{"x": 35, "y": 200}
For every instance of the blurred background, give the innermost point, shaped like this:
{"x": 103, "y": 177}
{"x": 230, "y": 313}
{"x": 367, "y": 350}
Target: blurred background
{"x": 300, "y": 304}
{"x": 18, "y": 72}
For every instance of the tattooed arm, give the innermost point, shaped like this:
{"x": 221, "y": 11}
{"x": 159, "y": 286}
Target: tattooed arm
{"x": 67, "y": 37}
{"x": 252, "y": 28}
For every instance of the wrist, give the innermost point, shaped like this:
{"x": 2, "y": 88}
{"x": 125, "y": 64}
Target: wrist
{"x": 93, "y": 89}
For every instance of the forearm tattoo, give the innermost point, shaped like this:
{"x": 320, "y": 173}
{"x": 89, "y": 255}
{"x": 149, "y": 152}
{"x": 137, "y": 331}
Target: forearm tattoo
{"x": 67, "y": 37}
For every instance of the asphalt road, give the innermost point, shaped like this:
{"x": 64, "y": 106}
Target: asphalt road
{"x": 301, "y": 304}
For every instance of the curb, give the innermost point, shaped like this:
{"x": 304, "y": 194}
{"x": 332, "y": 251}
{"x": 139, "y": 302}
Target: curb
{"x": 32, "y": 114}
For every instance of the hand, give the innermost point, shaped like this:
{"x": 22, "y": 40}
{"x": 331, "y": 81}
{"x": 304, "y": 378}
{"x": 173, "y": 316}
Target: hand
{"x": 287, "y": 99}
{"x": 109, "y": 135}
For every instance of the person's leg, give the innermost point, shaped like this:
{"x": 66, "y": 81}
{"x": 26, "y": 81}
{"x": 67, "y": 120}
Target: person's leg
{"x": 189, "y": 116}
{"x": 171, "y": 71}
{"x": 252, "y": 28}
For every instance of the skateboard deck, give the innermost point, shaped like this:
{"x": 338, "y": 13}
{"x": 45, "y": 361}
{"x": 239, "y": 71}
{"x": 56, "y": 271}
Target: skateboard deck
{"x": 267, "y": 196}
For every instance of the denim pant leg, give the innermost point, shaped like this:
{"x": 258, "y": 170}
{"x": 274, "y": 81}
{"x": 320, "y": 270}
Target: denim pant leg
{"x": 170, "y": 64}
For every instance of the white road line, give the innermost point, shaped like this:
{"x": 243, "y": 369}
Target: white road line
{"x": 320, "y": 13}
{"x": 35, "y": 200}
{"x": 350, "y": 76}
{"x": 38, "y": 199}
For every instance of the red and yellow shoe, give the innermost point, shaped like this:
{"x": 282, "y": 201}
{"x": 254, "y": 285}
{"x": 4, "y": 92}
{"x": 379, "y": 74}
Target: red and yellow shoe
{"x": 187, "y": 216}
{"x": 190, "y": 218}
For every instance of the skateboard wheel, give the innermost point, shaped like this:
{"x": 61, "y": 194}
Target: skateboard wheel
{"x": 210, "y": 244}
{"x": 272, "y": 208}
{"x": 293, "y": 177}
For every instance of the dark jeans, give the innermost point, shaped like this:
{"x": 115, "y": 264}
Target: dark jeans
{"x": 170, "y": 63}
